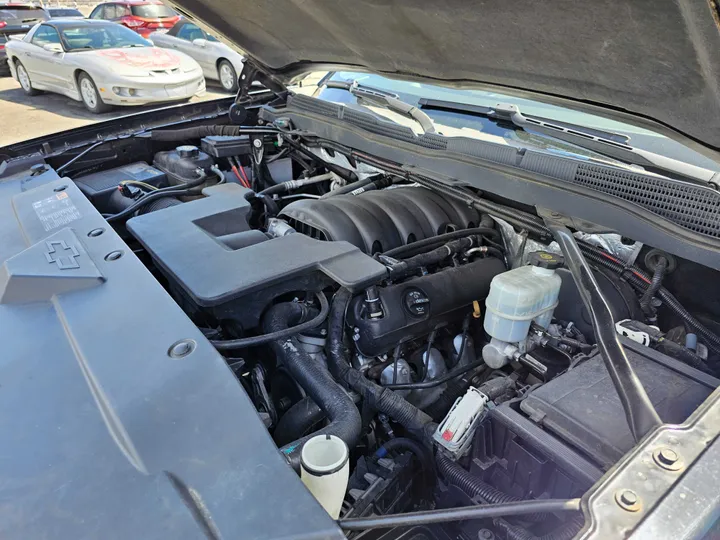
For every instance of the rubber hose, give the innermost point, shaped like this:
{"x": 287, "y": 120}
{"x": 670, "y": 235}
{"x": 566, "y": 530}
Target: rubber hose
{"x": 474, "y": 487}
{"x": 431, "y": 257}
{"x": 441, "y": 406}
{"x": 433, "y": 241}
{"x": 377, "y": 397}
{"x": 297, "y": 420}
{"x": 199, "y": 132}
{"x": 315, "y": 379}
{"x": 651, "y": 291}
{"x": 566, "y": 531}
{"x": 639, "y": 280}
{"x": 159, "y": 204}
{"x": 252, "y": 341}
{"x": 422, "y": 453}
{"x": 347, "y": 188}
{"x": 685, "y": 355}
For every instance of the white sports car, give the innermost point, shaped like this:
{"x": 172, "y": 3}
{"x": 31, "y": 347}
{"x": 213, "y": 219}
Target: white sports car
{"x": 218, "y": 61}
{"x": 101, "y": 64}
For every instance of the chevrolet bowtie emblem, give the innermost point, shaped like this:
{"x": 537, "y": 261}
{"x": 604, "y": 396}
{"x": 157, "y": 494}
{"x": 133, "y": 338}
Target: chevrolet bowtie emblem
{"x": 63, "y": 255}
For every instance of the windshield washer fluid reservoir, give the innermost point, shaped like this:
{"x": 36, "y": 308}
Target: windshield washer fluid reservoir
{"x": 516, "y": 299}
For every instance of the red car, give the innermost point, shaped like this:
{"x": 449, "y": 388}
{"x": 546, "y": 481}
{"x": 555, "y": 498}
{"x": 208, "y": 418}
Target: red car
{"x": 142, "y": 16}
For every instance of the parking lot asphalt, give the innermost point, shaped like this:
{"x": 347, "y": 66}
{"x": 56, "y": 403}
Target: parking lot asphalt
{"x": 24, "y": 117}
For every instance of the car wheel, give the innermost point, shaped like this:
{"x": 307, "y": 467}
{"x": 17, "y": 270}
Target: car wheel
{"x": 24, "y": 80}
{"x": 90, "y": 95}
{"x": 227, "y": 75}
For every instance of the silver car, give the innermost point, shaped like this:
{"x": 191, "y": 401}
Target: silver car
{"x": 218, "y": 61}
{"x": 101, "y": 64}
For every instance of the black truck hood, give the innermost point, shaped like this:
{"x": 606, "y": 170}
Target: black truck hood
{"x": 659, "y": 59}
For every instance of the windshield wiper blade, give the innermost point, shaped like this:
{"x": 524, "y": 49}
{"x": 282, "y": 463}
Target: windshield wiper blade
{"x": 388, "y": 99}
{"x": 607, "y": 143}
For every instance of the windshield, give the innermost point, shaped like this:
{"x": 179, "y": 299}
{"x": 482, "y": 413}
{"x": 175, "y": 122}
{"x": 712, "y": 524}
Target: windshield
{"x": 65, "y": 13}
{"x": 23, "y": 13}
{"x": 103, "y": 36}
{"x": 452, "y": 123}
{"x": 153, "y": 11}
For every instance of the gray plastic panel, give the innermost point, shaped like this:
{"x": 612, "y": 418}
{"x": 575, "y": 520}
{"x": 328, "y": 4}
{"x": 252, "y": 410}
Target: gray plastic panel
{"x": 183, "y": 240}
{"x": 104, "y": 434}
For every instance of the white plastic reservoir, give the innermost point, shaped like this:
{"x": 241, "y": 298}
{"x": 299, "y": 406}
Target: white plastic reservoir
{"x": 324, "y": 469}
{"x": 518, "y": 297}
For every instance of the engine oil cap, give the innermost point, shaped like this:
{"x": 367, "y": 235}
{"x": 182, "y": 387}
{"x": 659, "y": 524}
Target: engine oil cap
{"x": 545, "y": 259}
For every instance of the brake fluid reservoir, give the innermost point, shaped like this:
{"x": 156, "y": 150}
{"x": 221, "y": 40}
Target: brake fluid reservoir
{"x": 518, "y": 297}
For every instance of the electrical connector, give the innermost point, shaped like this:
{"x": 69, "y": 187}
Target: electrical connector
{"x": 454, "y": 434}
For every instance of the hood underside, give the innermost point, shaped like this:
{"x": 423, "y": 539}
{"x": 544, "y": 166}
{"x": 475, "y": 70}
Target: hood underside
{"x": 655, "y": 58}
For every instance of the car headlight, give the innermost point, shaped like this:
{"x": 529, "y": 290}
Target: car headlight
{"x": 124, "y": 91}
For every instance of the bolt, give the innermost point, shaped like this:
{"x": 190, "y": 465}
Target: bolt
{"x": 555, "y": 214}
{"x": 181, "y": 348}
{"x": 323, "y": 332}
{"x": 257, "y": 143}
{"x": 668, "y": 456}
{"x": 628, "y": 500}
{"x": 668, "y": 459}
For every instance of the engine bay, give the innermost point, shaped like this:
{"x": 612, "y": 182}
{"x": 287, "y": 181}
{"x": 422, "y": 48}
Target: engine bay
{"x": 446, "y": 346}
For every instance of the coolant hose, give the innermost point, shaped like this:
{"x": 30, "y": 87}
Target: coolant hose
{"x": 315, "y": 379}
{"x": 474, "y": 487}
{"x": 297, "y": 420}
{"x": 384, "y": 400}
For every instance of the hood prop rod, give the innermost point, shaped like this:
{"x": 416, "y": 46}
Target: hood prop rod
{"x": 639, "y": 411}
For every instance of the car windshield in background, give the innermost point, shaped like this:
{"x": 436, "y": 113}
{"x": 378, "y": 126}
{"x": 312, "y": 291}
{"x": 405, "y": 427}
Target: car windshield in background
{"x": 104, "y": 36}
{"x": 452, "y": 123}
{"x": 153, "y": 11}
{"x": 61, "y": 12}
{"x": 23, "y": 13}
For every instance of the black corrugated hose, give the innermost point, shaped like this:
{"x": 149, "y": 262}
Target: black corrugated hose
{"x": 454, "y": 474}
{"x": 640, "y": 281}
{"x": 381, "y": 399}
{"x": 651, "y": 291}
{"x": 314, "y": 378}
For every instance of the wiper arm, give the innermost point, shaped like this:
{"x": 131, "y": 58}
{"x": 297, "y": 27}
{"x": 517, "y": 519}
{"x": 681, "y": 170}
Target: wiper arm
{"x": 607, "y": 143}
{"x": 388, "y": 99}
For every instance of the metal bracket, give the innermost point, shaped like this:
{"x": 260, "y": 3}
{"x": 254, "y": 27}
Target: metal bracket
{"x": 646, "y": 475}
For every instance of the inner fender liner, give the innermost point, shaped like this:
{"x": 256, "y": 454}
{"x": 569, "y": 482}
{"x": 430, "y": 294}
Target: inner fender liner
{"x": 378, "y": 221}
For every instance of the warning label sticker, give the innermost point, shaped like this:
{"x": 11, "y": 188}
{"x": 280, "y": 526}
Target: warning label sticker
{"x": 56, "y": 211}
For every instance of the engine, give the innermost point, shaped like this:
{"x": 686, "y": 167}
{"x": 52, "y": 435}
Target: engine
{"x": 412, "y": 331}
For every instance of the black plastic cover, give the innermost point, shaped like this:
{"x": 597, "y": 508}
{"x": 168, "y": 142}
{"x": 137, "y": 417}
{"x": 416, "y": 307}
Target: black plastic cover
{"x": 413, "y": 308}
{"x": 583, "y": 408}
{"x": 99, "y": 186}
{"x": 378, "y": 221}
{"x": 106, "y": 433}
{"x": 226, "y": 145}
{"x": 188, "y": 242}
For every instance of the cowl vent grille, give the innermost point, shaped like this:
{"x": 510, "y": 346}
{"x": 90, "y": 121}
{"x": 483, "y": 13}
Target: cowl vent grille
{"x": 693, "y": 207}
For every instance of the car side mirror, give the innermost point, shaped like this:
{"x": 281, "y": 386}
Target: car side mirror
{"x": 53, "y": 47}
{"x": 200, "y": 42}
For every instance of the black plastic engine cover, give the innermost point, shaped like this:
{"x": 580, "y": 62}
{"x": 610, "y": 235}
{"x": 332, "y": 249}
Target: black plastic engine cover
{"x": 411, "y": 309}
{"x": 378, "y": 221}
{"x": 207, "y": 249}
